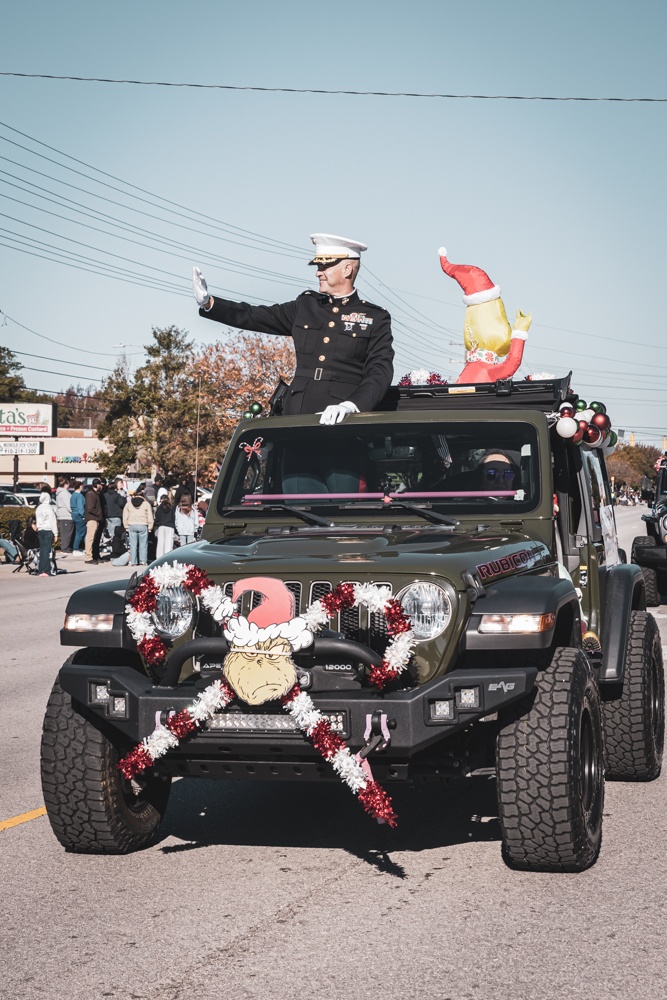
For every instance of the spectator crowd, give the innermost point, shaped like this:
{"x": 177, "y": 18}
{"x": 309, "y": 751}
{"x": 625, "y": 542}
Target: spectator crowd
{"x": 107, "y": 520}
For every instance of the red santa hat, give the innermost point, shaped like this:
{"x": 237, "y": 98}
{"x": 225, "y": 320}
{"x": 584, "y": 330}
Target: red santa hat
{"x": 476, "y": 284}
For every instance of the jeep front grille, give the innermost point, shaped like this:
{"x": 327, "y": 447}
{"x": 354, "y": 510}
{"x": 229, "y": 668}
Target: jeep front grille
{"x": 354, "y": 623}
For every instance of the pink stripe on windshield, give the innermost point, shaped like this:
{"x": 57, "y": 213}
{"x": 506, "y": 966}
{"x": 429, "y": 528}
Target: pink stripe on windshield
{"x": 260, "y": 497}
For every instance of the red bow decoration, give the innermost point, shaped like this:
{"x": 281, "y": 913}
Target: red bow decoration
{"x": 252, "y": 449}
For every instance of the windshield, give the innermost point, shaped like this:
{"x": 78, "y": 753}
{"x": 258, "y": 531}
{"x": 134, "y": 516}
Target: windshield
{"x": 474, "y": 467}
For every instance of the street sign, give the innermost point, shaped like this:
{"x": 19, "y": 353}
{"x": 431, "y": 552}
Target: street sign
{"x": 21, "y": 447}
{"x": 33, "y": 420}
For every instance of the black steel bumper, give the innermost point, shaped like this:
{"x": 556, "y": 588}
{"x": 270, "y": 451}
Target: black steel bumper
{"x": 407, "y": 715}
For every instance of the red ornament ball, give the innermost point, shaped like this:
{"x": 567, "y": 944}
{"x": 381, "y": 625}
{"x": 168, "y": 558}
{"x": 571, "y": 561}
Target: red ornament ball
{"x": 579, "y": 436}
{"x": 592, "y": 435}
{"x": 566, "y": 410}
{"x": 601, "y": 421}
{"x": 583, "y": 424}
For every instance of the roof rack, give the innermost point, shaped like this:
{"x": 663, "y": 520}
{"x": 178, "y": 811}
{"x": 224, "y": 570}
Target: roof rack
{"x": 535, "y": 394}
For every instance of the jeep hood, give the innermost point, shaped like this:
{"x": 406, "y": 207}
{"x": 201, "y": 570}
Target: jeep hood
{"x": 371, "y": 553}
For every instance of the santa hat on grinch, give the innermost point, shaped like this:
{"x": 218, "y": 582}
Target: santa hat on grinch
{"x": 476, "y": 284}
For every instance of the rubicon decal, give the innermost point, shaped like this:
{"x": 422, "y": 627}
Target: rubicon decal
{"x": 517, "y": 560}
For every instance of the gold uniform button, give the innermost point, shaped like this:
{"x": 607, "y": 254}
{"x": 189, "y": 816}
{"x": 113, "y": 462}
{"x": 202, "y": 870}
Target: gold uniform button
{"x": 354, "y": 334}
{"x": 326, "y": 340}
{"x": 322, "y": 357}
{"x": 305, "y": 326}
{"x": 331, "y": 323}
{"x": 335, "y": 309}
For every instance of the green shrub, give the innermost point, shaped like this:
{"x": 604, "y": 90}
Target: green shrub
{"x": 22, "y": 514}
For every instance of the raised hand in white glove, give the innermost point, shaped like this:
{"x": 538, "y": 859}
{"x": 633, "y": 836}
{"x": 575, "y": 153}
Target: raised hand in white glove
{"x": 199, "y": 287}
{"x": 337, "y": 412}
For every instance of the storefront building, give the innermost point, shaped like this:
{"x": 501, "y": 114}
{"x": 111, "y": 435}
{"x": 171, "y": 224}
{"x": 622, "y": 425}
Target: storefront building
{"x": 70, "y": 453}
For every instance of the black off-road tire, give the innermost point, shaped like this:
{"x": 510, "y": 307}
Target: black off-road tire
{"x": 651, "y": 585}
{"x": 91, "y": 807}
{"x": 634, "y": 722}
{"x": 549, "y": 767}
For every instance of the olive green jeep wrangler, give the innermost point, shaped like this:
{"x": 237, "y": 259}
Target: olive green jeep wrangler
{"x": 650, "y": 550}
{"x": 533, "y": 658}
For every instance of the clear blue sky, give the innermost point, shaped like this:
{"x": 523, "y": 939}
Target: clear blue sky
{"x": 562, "y": 203}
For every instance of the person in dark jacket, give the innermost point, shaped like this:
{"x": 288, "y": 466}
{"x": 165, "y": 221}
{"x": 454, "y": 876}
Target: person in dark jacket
{"x": 113, "y": 508}
{"x": 120, "y": 553}
{"x": 94, "y": 517}
{"x": 343, "y": 343}
{"x": 186, "y": 487}
{"x": 164, "y": 526}
{"x": 78, "y": 507}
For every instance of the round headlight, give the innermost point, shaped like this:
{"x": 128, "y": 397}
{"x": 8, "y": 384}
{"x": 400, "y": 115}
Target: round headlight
{"x": 428, "y": 607}
{"x": 175, "y": 611}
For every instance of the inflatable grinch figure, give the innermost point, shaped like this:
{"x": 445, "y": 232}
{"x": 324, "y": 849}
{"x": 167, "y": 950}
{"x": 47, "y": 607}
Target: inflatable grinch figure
{"x": 493, "y": 349}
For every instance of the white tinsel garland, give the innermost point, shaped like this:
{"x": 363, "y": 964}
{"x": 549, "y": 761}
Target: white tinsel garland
{"x": 304, "y": 713}
{"x": 159, "y": 742}
{"x": 170, "y": 575}
{"x": 372, "y": 597}
{"x": 209, "y": 701}
{"x": 140, "y": 624}
{"x": 348, "y": 768}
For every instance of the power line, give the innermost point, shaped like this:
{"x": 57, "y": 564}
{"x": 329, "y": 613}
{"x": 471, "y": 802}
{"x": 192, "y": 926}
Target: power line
{"x": 347, "y": 93}
{"x": 48, "y": 371}
{"x": 61, "y": 343}
{"x": 211, "y": 223}
{"x": 42, "y": 357}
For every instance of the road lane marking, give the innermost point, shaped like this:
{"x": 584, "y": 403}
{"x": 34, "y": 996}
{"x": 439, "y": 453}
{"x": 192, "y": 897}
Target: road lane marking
{"x": 5, "y": 824}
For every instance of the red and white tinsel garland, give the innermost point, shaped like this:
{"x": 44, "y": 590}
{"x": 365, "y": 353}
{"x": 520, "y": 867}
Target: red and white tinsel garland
{"x": 218, "y": 695}
{"x": 420, "y": 376}
{"x": 374, "y": 599}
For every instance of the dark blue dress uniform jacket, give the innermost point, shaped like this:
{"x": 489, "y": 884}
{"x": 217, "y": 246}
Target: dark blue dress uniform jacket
{"x": 343, "y": 346}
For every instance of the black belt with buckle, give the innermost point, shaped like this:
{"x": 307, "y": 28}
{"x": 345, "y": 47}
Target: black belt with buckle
{"x": 317, "y": 374}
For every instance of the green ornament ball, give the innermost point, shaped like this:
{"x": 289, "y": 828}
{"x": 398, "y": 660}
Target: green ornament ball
{"x": 256, "y": 409}
{"x": 613, "y": 438}
{"x": 598, "y": 407}
{"x": 247, "y": 415}
{"x": 581, "y": 404}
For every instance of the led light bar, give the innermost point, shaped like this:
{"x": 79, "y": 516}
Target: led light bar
{"x": 516, "y": 624}
{"x": 89, "y": 623}
{"x": 239, "y": 722}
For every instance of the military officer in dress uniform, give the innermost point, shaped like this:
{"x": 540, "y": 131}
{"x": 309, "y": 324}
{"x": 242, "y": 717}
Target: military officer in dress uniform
{"x": 343, "y": 343}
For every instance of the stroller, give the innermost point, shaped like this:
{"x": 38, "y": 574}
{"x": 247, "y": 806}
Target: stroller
{"x": 26, "y": 558}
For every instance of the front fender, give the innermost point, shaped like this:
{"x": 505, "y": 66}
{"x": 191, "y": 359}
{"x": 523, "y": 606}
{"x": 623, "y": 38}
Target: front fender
{"x": 624, "y": 594}
{"x": 106, "y": 598}
{"x": 525, "y": 595}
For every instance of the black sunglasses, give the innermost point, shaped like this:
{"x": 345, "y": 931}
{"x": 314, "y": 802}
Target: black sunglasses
{"x": 506, "y": 474}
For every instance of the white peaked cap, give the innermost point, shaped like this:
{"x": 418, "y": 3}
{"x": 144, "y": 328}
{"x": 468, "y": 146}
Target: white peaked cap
{"x": 330, "y": 247}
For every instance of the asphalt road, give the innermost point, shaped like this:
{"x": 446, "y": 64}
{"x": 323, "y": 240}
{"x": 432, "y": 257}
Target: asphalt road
{"x": 279, "y": 891}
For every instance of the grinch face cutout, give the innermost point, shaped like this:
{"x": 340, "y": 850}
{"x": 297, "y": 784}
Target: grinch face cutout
{"x": 259, "y": 664}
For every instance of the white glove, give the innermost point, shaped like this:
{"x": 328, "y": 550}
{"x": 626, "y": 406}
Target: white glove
{"x": 337, "y": 412}
{"x": 199, "y": 287}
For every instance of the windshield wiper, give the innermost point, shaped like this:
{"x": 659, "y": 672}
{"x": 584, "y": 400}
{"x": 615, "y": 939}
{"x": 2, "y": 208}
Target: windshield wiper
{"x": 297, "y": 511}
{"x": 427, "y": 514}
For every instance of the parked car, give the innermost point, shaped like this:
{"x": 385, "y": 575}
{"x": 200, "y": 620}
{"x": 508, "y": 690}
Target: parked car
{"x": 11, "y": 500}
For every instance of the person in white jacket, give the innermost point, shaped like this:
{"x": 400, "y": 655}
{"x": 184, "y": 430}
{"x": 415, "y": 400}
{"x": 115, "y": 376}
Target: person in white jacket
{"x": 187, "y": 522}
{"x": 47, "y": 532}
